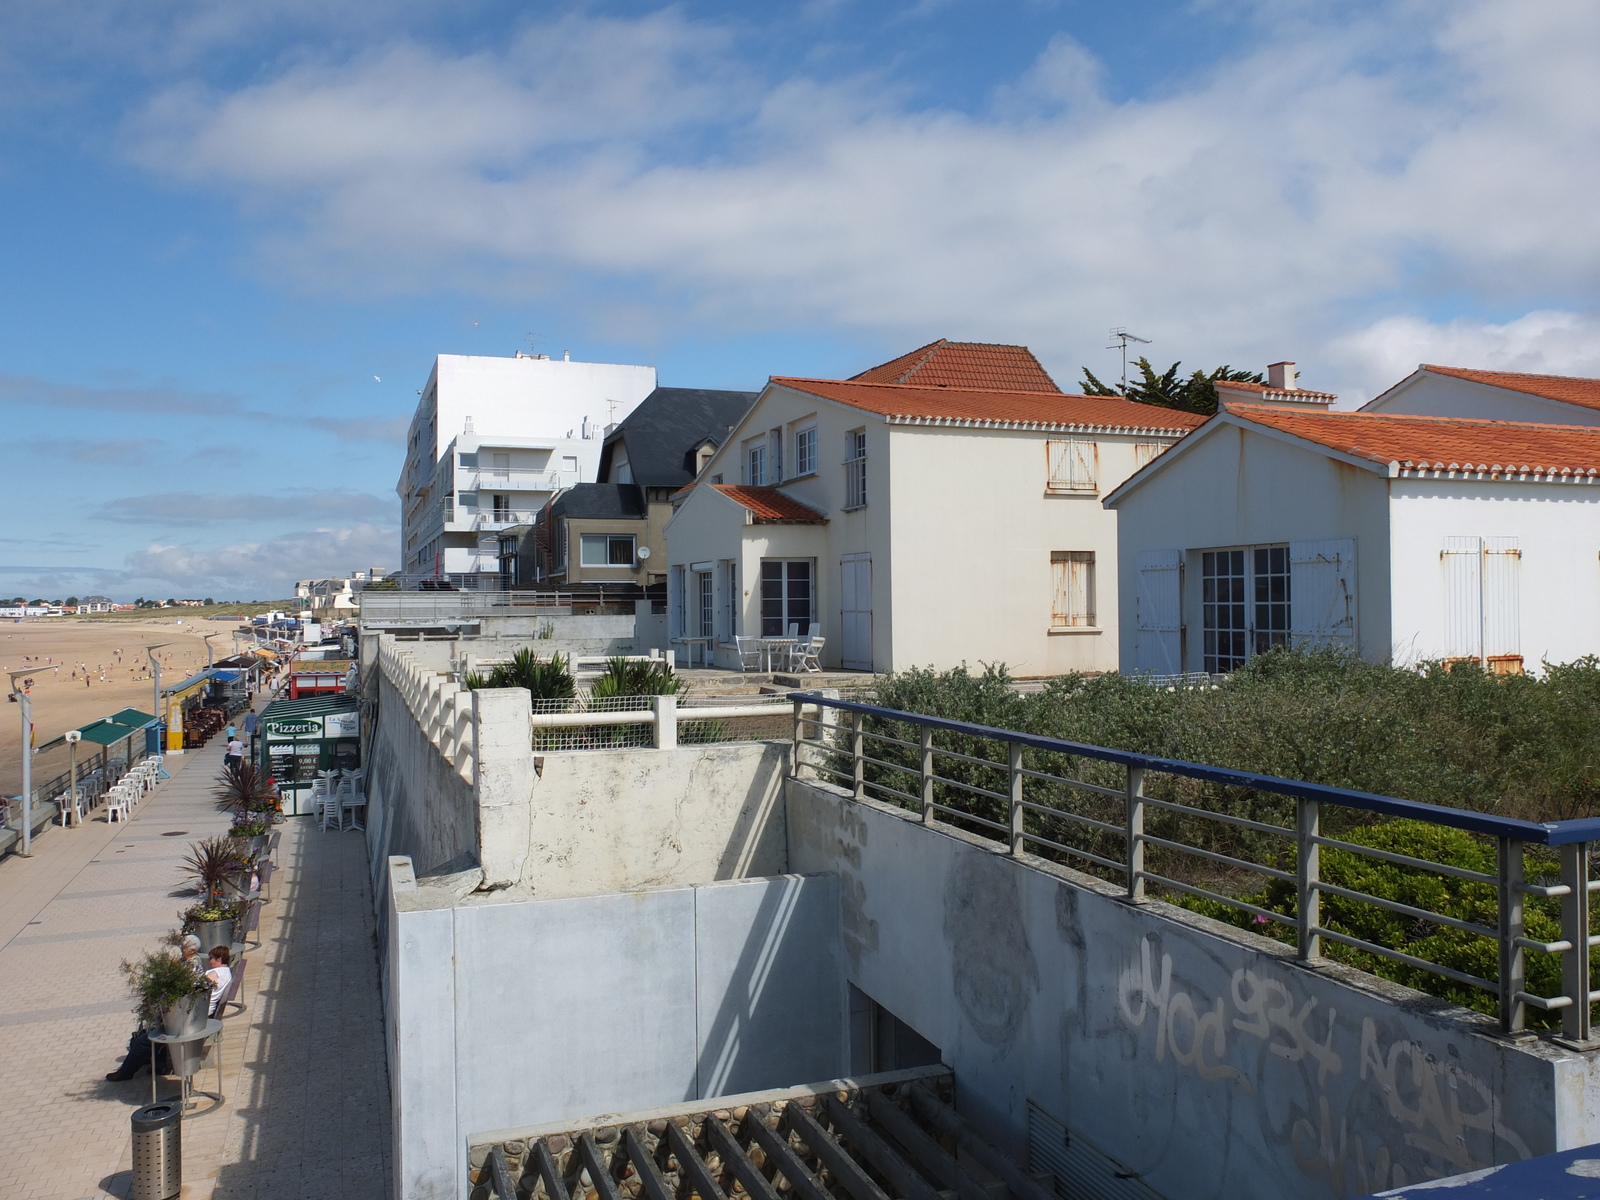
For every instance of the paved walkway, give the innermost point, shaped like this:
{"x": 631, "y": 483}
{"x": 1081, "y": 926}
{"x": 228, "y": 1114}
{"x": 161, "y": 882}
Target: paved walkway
{"x": 307, "y": 1098}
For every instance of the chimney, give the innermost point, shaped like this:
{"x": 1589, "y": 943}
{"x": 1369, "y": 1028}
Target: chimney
{"x": 468, "y": 427}
{"x": 566, "y": 356}
{"x": 1282, "y": 375}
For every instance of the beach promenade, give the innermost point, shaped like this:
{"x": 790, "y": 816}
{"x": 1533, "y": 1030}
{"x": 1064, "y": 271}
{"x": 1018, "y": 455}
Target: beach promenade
{"x": 306, "y": 1107}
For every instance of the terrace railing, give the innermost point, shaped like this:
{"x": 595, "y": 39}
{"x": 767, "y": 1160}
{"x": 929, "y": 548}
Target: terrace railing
{"x": 662, "y": 722}
{"x": 1035, "y": 784}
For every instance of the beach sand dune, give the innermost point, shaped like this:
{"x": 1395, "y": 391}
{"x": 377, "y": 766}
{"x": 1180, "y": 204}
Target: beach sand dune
{"x": 61, "y": 698}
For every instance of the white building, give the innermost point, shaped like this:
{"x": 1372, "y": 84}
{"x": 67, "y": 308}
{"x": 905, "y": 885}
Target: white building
{"x": 916, "y": 523}
{"x": 332, "y": 598}
{"x": 1402, "y": 537}
{"x": 1434, "y": 391}
{"x": 492, "y": 440}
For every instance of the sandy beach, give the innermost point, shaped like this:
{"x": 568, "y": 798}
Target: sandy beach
{"x": 61, "y": 646}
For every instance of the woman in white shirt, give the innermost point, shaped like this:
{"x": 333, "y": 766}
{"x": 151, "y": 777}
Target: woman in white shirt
{"x": 220, "y": 976}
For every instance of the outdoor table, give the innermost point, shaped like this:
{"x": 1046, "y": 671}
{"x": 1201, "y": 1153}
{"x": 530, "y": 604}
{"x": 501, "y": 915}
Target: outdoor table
{"x": 180, "y": 1049}
{"x": 704, "y": 643}
{"x": 768, "y": 645}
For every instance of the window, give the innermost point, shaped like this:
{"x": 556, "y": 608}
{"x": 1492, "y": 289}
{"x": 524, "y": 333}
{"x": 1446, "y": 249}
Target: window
{"x": 561, "y": 562}
{"x": 1245, "y": 604}
{"x": 805, "y": 451}
{"x": 785, "y": 595}
{"x": 775, "y": 454}
{"x": 855, "y": 468}
{"x": 708, "y": 603}
{"x": 502, "y": 466}
{"x": 1074, "y": 465}
{"x": 755, "y": 461}
{"x": 606, "y": 549}
{"x": 730, "y": 574}
{"x": 502, "y": 508}
{"x": 680, "y": 606}
{"x": 1145, "y": 453}
{"x": 1073, "y": 603}
{"x": 1272, "y": 598}
{"x": 1223, "y": 609}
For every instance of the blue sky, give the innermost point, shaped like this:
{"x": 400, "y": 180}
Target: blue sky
{"x": 235, "y": 236}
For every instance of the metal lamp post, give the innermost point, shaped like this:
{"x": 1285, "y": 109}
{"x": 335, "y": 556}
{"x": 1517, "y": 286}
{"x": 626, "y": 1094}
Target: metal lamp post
{"x": 27, "y": 760}
{"x": 155, "y": 691}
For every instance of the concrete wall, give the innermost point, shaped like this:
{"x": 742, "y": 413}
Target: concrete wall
{"x": 453, "y": 774}
{"x": 1557, "y": 527}
{"x": 1235, "y": 487}
{"x": 419, "y": 802}
{"x": 1180, "y": 1053}
{"x": 507, "y": 1014}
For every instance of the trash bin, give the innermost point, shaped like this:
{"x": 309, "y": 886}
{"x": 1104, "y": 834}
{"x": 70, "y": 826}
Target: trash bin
{"x": 158, "y": 1151}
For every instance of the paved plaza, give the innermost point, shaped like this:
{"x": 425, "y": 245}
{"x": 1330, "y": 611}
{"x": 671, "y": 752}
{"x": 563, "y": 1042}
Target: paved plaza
{"x": 306, "y": 1108}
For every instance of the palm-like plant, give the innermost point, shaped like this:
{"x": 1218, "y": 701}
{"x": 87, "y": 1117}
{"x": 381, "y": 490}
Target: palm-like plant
{"x": 638, "y": 677}
{"x": 213, "y": 863}
{"x": 546, "y": 678}
{"x": 243, "y": 790}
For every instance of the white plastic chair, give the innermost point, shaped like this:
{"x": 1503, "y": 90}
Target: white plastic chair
{"x": 118, "y": 804}
{"x": 807, "y": 656}
{"x": 749, "y": 651}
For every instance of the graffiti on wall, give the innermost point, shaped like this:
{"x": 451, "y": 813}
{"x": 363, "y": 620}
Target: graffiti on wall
{"x": 1441, "y": 1119}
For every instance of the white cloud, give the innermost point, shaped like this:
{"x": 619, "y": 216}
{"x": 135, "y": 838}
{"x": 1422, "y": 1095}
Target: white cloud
{"x": 1342, "y": 167}
{"x": 265, "y": 568}
{"x": 1558, "y": 343}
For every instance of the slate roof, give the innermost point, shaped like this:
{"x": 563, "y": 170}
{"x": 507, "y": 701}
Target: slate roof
{"x": 990, "y": 407}
{"x": 1449, "y": 444}
{"x": 601, "y": 501}
{"x": 1569, "y": 389}
{"x": 662, "y": 433}
{"x": 770, "y": 505}
{"x": 965, "y": 365}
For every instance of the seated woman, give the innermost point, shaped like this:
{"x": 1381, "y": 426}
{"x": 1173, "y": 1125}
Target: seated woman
{"x": 221, "y": 976}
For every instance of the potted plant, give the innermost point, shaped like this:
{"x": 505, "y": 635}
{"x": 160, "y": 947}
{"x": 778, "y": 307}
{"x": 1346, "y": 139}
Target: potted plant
{"x": 244, "y": 790}
{"x": 213, "y": 922}
{"x": 216, "y": 865}
{"x": 168, "y": 993}
{"x": 252, "y": 828}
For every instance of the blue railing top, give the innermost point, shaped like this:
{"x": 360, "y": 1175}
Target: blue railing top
{"x": 1547, "y": 833}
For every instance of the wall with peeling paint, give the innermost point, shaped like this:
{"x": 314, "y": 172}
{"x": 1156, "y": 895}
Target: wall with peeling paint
{"x": 1179, "y": 1053}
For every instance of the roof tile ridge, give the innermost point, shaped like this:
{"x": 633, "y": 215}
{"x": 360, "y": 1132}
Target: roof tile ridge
{"x": 1513, "y": 374}
{"x": 1411, "y": 418}
{"x": 924, "y": 387}
{"x": 928, "y": 352}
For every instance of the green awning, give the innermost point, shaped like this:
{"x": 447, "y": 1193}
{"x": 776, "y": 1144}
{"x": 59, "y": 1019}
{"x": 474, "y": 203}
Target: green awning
{"x": 131, "y": 716}
{"x": 103, "y": 732}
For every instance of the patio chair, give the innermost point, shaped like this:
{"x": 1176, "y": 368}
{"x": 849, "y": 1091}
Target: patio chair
{"x": 807, "y": 656}
{"x": 749, "y": 650}
{"x": 231, "y": 996}
{"x": 119, "y": 804}
{"x": 331, "y": 812}
{"x": 354, "y": 803}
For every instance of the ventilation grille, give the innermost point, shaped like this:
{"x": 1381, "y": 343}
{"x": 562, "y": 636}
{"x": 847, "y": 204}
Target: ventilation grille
{"x": 1081, "y": 1171}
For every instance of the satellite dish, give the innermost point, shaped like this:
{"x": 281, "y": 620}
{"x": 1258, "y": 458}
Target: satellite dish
{"x": 644, "y": 551}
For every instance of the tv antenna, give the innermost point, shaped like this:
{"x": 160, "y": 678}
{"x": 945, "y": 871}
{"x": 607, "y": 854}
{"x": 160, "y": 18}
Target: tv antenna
{"x": 1124, "y": 337}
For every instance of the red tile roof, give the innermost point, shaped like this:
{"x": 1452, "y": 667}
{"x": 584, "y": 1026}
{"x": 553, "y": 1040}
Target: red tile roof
{"x": 965, "y": 365}
{"x": 1241, "y": 385}
{"x": 1568, "y": 389}
{"x": 1442, "y": 443}
{"x": 993, "y": 407}
{"x": 769, "y": 504}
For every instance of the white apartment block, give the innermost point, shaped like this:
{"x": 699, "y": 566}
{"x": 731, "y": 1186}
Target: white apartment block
{"x": 493, "y": 440}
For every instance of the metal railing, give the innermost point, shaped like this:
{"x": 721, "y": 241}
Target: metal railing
{"x": 448, "y": 605}
{"x": 854, "y": 745}
{"x": 662, "y": 722}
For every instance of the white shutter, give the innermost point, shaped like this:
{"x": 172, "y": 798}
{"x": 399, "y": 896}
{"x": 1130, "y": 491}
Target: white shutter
{"x": 1462, "y": 558}
{"x": 1085, "y": 464}
{"x": 1157, "y": 647}
{"x": 1322, "y": 593}
{"x": 1502, "y": 609}
{"x": 1056, "y": 453}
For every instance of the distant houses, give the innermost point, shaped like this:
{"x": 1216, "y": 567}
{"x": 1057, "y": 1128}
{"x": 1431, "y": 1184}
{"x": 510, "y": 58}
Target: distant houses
{"x": 1455, "y": 517}
{"x": 941, "y": 508}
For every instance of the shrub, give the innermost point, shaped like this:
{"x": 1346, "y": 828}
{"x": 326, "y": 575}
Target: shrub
{"x": 636, "y": 677}
{"x": 545, "y": 678}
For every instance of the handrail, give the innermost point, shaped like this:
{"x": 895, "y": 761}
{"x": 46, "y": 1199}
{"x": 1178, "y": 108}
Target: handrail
{"x": 1547, "y": 833}
{"x": 1574, "y": 839}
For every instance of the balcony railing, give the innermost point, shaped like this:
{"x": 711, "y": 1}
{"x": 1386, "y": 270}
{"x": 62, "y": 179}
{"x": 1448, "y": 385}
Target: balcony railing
{"x": 1031, "y": 792}
{"x": 513, "y": 479}
{"x": 502, "y": 518}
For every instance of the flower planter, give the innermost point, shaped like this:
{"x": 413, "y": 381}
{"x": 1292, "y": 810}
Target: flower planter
{"x": 235, "y": 887}
{"x": 213, "y": 934}
{"x": 187, "y": 1016}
